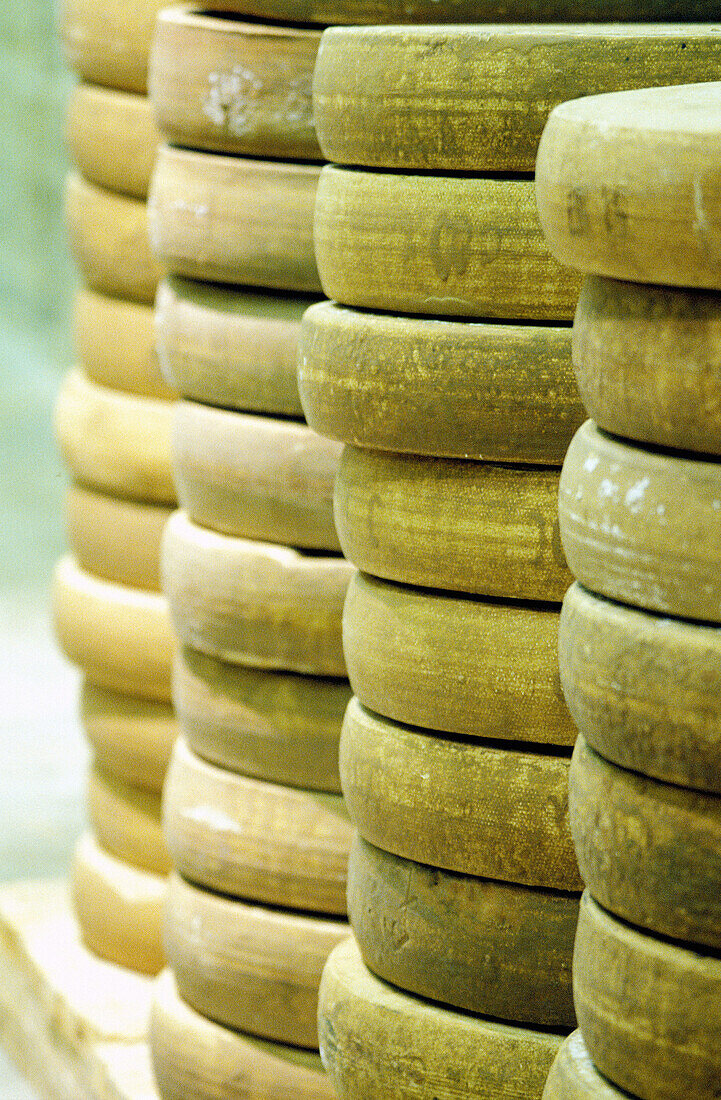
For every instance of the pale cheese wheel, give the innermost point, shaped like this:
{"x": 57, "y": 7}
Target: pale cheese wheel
{"x": 246, "y": 966}
{"x": 255, "y": 476}
{"x": 130, "y": 737}
{"x": 254, "y": 840}
{"x": 465, "y": 246}
{"x": 455, "y": 664}
{"x": 459, "y": 805}
{"x": 231, "y": 220}
{"x": 573, "y": 1075}
{"x": 642, "y": 526}
{"x": 119, "y": 908}
{"x": 192, "y": 1056}
{"x": 648, "y": 1008}
{"x": 108, "y": 41}
{"x": 121, "y": 637}
{"x": 113, "y": 138}
{"x": 126, "y": 822}
{"x": 275, "y": 726}
{"x": 644, "y": 690}
{"x": 254, "y": 603}
{"x": 465, "y": 526}
{"x": 115, "y": 344}
{"x": 627, "y": 187}
{"x": 377, "y": 1042}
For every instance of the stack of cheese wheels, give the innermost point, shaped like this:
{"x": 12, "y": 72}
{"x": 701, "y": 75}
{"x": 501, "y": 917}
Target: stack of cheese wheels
{"x": 113, "y": 420}
{"x": 629, "y": 194}
{"x": 443, "y": 365}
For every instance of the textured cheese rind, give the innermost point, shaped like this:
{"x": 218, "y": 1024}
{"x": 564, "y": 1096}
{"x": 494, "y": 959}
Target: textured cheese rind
{"x": 573, "y": 1075}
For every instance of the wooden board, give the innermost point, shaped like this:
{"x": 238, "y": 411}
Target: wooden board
{"x": 113, "y": 138}
{"x": 275, "y": 726}
{"x": 234, "y": 87}
{"x": 573, "y": 1075}
{"x": 626, "y": 186}
{"x": 246, "y": 966}
{"x": 230, "y": 220}
{"x": 464, "y": 246}
{"x": 474, "y": 527}
{"x": 466, "y": 806}
{"x": 115, "y": 344}
{"x": 459, "y": 665}
{"x": 255, "y": 476}
{"x": 253, "y": 840}
{"x": 130, "y": 737}
{"x": 126, "y": 821}
{"x": 642, "y": 526}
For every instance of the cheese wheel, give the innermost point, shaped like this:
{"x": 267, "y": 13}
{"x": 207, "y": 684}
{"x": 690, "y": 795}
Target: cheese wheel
{"x": 648, "y": 1009}
{"x": 226, "y": 219}
{"x": 626, "y": 186}
{"x": 279, "y": 727}
{"x": 378, "y": 1042}
{"x": 234, "y": 87}
{"x": 192, "y": 1056}
{"x": 474, "y": 527}
{"x": 115, "y": 442}
{"x": 126, "y": 822}
{"x": 467, "y": 806}
{"x": 248, "y": 839}
{"x": 459, "y": 389}
{"x": 573, "y": 1075}
{"x": 130, "y": 737}
{"x": 254, "y": 603}
{"x": 115, "y": 344}
{"x": 118, "y": 540}
{"x": 246, "y": 966}
{"x": 484, "y": 946}
{"x": 121, "y": 637}
{"x": 644, "y": 691}
{"x": 642, "y": 526}
{"x": 455, "y": 664}
{"x": 112, "y": 138}
{"x": 256, "y": 477}
{"x": 109, "y": 241}
{"x": 119, "y": 908}
{"x": 464, "y": 246}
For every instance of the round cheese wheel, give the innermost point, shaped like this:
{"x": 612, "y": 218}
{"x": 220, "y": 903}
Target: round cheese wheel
{"x": 464, "y": 246}
{"x": 254, "y": 603}
{"x": 246, "y": 966}
{"x": 130, "y": 737}
{"x": 279, "y": 727}
{"x": 119, "y": 908}
{"x": 465, "y": 526}
{"x": 116, "y": 345}
{"x": 230, "y": 347}
{"x": 573, "y": 1075}
{"x": 118, "y": 540}
{"x": 121, "y": 637}
{"x": 627, "y": 188}
{"x": 484, "y": 946}
{"x": 115, "y": 442}
{"x": 234, "y": 87}
{"x": 644, "y": 691}
{"x": 459, "y": 805}
{"x": 642, "y": 526}
{"x": 109, "y": 241}
{"x": 112, "y": 138}
{"x": 248, "y": 839}
{"x": 378, "y": 1042}
{"x": 256, "y": 477}
{"x": 126, "y": 822}
{"x": 648, "y": 1008}
{"x": 229, "y": 220}
{"x": 107, "y": 41}
{"x": 193, "y": 1056}
{"x": 455, "y": 664}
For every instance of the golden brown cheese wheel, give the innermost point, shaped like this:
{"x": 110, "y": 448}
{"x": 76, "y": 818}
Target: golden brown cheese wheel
{"x": 644, "y": 691}
{"x": 247, "y": 966}
{"x": 626, "y": 186}
{"x": 229, "y": 220}
{"x": 108, "y": 41}
{"x": 254, "y": 603}
{"x": 116, "y": 345}
{"x": 483, "y": 946}
{"x": 192, "y": 1056}
{"x": 119, "y": 908}
{"x": 118, "y": 540}
{"x": 456, "y": 664}
{"x": 248, "y": 839}
{"x": 465, "y": 526}
{"x": 459, "y": 805}
{"x": 648, "y": 1008}
{"x": 130, "y": 737}
{"x": 275, "y": 726}
{"x": 464, "y": 246}
{"x": 377, "y": 1042}
{"x": 642, "y": 526}
{"x": 255, "y": 476}
{"x": 234, "y": 87}
{"x": 121, "y": 637}
{"x": 573, "y": 1075}
{"x": 113, "y": 138}
{"x": 126, "y": 822}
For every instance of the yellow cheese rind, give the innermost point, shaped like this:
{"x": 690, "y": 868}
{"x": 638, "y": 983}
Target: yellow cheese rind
{"x": 116, "y": 345}
{"x": 126, "y": 822}
{"x": 113, "y": 138}
{"x": 573, "y": 1075}
{"x": 130, "y": 737}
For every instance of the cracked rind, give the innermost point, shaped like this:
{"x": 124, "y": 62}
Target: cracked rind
{"x": 116, "y": 345}
{"x": 115, "y": 539}
{"x": 573, "y": 1075}
{"x": 131, "y": 737}
{"x": 112, "y": 138}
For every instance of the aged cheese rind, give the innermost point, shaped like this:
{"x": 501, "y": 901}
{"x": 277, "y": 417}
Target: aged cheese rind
{"x": 126, "y": 821}
{"x": 116, "y": 345}
{"x": 573, "y": 1075}
{"x": 113, "y": 138}
{"x": 116, "y": 539}
{"x": 129, "y": 736}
